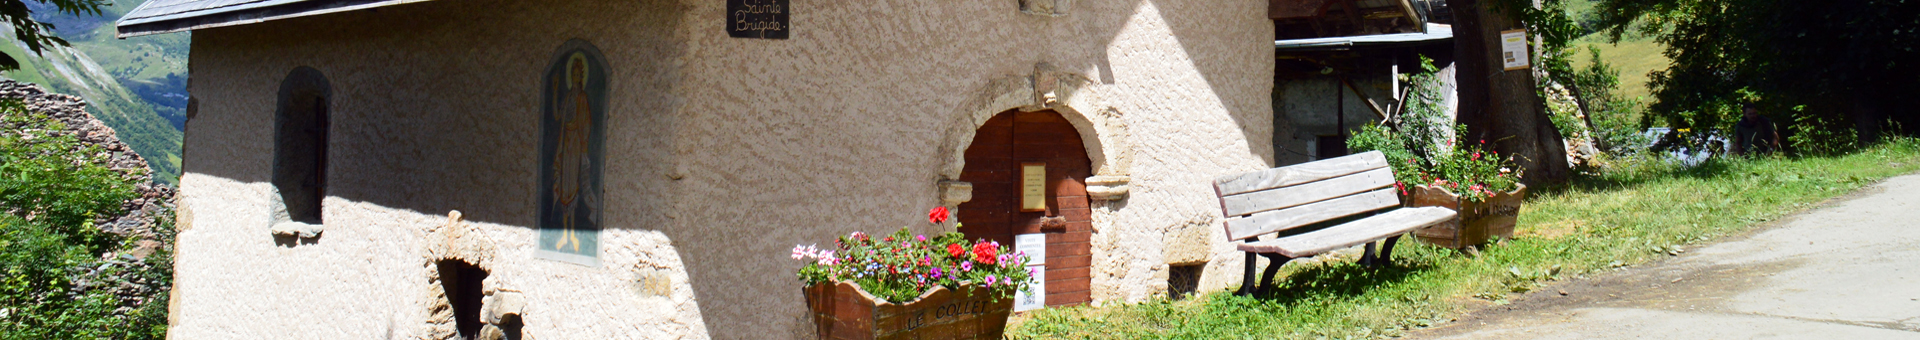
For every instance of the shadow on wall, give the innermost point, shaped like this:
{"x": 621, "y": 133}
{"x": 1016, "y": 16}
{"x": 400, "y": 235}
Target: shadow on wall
{"x": 398, "y": 141}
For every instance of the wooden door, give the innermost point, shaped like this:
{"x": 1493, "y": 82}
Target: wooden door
{"x": 994, "y": 167}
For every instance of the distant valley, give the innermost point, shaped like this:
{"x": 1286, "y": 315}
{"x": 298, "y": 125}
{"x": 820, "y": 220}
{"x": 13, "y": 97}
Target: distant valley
{"x": 138, "y": 85}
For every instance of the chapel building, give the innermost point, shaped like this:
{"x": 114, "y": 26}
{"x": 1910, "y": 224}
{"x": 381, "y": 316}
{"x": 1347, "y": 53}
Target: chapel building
{"x": 407, "y": 169}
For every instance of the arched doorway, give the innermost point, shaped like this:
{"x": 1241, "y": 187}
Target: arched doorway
{"x": 994, "y": 166}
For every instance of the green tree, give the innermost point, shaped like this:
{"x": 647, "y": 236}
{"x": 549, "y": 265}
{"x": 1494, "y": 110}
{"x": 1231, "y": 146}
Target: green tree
{"x": 35, "y": 34}
{"x": 60, "y": 276}
{"x": 1848, "y": 61}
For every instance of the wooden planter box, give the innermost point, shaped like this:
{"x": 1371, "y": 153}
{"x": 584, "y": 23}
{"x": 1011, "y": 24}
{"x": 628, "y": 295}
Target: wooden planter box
{"x": 844, "y": 311}
{"x": 1478, "y": 222}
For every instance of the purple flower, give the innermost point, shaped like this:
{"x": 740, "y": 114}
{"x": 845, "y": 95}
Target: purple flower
{"x": 990, "y": 280}
{"x": 966, "y": 266}
{"x": 936, "y": 273}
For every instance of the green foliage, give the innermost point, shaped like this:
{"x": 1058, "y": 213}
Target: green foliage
{"x": 55, "y": 282}
{"x": 1816, "y": 135}
{"x": 54, "y": 178}
{"x": 899, "y": 267}
{"x": 1611, "y": 117}
{"x": 32, "y": 32}
{"x": 1835, "y": 58}
{"x": 1635, "y": 212}
{"x": 134, "y": 95}
{"x": 1422, "y": 151}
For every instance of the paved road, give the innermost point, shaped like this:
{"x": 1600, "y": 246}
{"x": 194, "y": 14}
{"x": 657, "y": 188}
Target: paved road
{"x": 1849, "y": 269}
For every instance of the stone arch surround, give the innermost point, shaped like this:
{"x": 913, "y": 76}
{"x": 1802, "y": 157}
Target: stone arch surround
{"x": 1104, "y": 134}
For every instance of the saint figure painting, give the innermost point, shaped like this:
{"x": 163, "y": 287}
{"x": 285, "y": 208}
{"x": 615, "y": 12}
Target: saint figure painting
{"x": 572, "y": 134}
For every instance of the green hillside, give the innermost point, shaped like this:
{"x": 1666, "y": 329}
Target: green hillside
{"x": 137, "y": 85}
{"x": 1633, "y": 56}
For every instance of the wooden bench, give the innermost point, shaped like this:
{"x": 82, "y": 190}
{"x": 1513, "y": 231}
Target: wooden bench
{"x": 1305, "y": 205}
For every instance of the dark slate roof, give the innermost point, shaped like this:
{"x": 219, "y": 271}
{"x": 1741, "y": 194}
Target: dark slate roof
{"x": 165, "y": 16}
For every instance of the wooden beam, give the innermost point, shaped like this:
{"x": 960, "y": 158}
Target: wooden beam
{"x": 1369, "y": 99}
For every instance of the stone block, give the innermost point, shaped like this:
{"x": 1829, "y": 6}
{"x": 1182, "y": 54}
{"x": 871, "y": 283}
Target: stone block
{"x": 1107, "y": 188}
{"x": 1052, "y": 8}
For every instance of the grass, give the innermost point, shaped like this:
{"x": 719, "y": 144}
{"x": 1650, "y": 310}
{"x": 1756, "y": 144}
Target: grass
{"x": 1635, "y": 212}
{"x": 1635, "y": 56}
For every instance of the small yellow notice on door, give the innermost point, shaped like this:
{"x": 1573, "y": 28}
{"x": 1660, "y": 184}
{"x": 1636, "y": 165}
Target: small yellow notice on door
{"x": 1033, "y": 186}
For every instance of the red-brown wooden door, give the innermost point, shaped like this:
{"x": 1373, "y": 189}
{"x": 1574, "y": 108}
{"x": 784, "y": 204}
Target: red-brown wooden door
{"x": 993, "y": 166}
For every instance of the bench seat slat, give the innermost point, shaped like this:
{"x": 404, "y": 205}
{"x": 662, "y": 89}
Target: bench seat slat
{"x": 1282, "y": 198}
{"x": 1352, "y": 233}
{"x": 1279, "y": 220}
{"x": 1301, "y": 173}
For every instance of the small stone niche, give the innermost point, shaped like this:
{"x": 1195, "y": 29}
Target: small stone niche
{"x": 461, "y": 282}
{"x": 1183, "y": 279}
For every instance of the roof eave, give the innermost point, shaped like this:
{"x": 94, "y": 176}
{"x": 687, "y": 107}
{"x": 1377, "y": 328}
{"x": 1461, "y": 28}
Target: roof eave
{"x": 241, "y": 15}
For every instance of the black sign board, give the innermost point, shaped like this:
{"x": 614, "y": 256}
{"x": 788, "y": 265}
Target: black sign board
{"x": 763, "y": 19}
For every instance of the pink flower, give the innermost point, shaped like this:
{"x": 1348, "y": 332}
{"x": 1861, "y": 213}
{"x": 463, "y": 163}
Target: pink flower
{"x": 966, "y": 266}
{"x": 826, "y": 258}
{"x": 990, "y": 280}
{"x": 920, "y": 238}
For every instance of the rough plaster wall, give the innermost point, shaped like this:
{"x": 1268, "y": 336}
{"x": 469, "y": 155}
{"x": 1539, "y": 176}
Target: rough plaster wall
{"x": 723, "y": 153}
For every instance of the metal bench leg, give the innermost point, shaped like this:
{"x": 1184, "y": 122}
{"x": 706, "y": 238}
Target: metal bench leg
{"x": 1246, "y": 281}
{"x": 1366, "y": 254}
{"x": 1381, "y": 258}
{"x": 1273, "y": 267}
{"x": 1386, "y": 251}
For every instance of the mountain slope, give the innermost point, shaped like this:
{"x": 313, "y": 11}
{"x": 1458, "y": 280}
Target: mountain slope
{"x": 137, "y": 85}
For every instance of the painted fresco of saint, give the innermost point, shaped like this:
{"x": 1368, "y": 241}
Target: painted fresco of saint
{"x": 571, "y": 142}
{"x": 571, "y": 158}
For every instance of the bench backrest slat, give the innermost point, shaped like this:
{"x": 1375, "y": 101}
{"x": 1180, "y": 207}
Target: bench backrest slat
{"x": 1291, "y": 196}
{"x": 1241, "y": 228}
{"x": 1301, "y": 173}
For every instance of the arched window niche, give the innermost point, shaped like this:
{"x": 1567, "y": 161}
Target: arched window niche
{"x": 300, "y": 130}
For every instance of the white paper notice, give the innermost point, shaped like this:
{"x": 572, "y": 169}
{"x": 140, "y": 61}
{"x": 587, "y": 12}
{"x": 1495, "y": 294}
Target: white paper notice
{"x": 1033, "y": 245}
{"x": 1035, "y": 296}
{"x": 1513, "y": 49}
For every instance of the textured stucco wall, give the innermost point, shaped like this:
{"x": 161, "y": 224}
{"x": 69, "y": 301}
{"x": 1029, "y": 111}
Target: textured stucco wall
{"x": 722, "y": 153}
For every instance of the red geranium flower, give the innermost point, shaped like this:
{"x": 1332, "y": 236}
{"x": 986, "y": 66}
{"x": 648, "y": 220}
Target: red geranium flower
{"x": 956, "y": 250}
{"x": 937, "y": 215}
{"x": 984, "y": 253}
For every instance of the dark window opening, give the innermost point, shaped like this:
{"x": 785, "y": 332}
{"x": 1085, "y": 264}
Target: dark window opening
{"x": 461, "y": 281}
{"x": 1183, "y": 280}
{"x": 1330, "y": 147}
{"x": 301, "y": 125}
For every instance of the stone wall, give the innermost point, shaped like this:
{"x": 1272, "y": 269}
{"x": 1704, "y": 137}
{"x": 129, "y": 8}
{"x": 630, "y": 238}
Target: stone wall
{"x": 723, "y": 153}
{"x": 151, "y": 200}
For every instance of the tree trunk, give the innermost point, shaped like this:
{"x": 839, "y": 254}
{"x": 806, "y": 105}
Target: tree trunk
{"x": 1501, "y": 107}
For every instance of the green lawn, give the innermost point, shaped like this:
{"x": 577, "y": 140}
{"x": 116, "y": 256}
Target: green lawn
{"x": 1632, "y": 213}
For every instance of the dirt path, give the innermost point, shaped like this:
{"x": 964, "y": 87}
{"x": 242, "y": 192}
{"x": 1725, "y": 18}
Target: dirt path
{"x": 1849, "y": 269}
